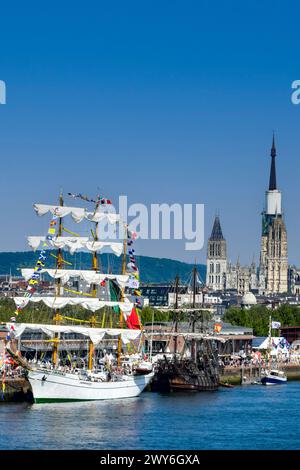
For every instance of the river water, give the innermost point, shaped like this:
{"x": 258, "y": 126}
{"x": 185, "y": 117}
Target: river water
{"x": 248, "y": 417}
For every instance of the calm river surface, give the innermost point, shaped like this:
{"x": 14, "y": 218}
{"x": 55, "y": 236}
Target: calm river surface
{"x": 249, "y": 417}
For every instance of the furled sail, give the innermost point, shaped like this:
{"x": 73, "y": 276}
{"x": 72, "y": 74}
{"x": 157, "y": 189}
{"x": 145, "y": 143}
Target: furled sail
{"x": 91, "y": 277}
{"x": 77, "y": 213}
{"x": 95, "y": 334}
{"x": 77, "y": 243}
{"x": 98, "y": 216}
{"x": 92, "y": 304}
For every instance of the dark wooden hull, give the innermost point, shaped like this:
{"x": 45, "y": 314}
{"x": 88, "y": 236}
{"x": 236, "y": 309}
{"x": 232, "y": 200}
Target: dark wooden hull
{"x": 178, "y": 384}
{"x": 184, "y": 375}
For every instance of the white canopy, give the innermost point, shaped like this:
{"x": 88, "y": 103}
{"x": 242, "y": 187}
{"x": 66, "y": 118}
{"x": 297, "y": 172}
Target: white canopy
{"x": 77, "y": 243}
{"x": 77, "y": 213}
{"x": 91, "y": 277}
{"x": 275, "y": 348}
{"x": 95, "y": 334}
{"x": 91, "y": 304}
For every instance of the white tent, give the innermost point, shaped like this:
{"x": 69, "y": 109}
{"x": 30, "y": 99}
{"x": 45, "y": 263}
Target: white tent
{"x": 276, "y": 342}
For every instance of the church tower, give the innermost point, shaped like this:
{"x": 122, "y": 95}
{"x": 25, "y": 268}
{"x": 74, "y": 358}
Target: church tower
{"x": 216, "y": 264}
{"x": 273, "y": 267}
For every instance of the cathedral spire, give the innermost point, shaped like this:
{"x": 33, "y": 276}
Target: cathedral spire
{"x": 216, "y": 233}
{"x": 272, "y": 182}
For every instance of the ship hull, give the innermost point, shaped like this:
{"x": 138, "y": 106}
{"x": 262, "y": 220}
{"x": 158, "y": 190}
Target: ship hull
{"x": 188, "y": 385}
{"x": 65, "y": 387}
{"x": 184, "y": 375}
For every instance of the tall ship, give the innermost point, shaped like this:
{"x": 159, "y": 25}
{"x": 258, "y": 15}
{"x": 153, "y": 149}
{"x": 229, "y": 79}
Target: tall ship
{"x": 195, "y": 367}
{"x": 111, "y": 300}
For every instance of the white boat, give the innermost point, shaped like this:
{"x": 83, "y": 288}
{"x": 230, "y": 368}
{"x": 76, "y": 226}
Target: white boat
{"x": 57, "y": 386}
{"x": 274, "y": 377}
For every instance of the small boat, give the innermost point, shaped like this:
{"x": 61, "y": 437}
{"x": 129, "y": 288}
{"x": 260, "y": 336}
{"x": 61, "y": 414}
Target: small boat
{"x": 226, "y": 385}
{"x": 274, "y": 377}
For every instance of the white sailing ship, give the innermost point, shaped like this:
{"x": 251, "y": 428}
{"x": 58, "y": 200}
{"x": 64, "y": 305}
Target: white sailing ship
{"x": 51, "y": 382}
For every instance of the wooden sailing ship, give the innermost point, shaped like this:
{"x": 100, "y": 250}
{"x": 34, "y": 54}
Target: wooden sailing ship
{"x": 87, "y": 382}
{"x": 197, "y": 371}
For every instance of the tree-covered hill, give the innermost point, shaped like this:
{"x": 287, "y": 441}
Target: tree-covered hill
{"x": 156, "y": 270}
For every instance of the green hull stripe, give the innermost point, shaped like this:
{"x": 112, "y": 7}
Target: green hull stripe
{"x": 58, "y": 400}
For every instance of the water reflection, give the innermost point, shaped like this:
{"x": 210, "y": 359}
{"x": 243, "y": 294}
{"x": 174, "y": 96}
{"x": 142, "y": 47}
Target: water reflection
{"x": 227, "y": 419}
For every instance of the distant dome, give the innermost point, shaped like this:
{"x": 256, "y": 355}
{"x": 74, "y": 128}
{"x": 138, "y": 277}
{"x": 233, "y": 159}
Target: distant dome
{"x": 248, "y": 299}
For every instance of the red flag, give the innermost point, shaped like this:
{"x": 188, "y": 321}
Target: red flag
{"x": 132, "y": 321}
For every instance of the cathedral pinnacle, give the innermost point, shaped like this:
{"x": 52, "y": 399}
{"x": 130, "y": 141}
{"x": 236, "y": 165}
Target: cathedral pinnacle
{"x": 272, "y": 182}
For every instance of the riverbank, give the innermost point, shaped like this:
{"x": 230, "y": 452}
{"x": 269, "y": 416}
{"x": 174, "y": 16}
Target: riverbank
{"x": 18, "y": 389}
{"x": 233, "y": 375}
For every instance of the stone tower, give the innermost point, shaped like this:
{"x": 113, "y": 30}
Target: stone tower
{"x": 273, "y": 269}
{"x": 216, "y": 264}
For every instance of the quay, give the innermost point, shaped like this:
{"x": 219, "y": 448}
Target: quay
{"x": 17, "y": 389}
{"x": 249, "y": 374}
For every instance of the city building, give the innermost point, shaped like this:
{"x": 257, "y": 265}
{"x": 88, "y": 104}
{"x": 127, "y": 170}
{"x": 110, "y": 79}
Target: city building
{"x": 216, "y": 266}
{"x": 290, "y": 333}
{"x": 241, "y": 279}
{"x": 273, "y": 276}
{"x": 222, "y": 275}
{"x": 294, "y": 280}
{"x": 273, "y": 268}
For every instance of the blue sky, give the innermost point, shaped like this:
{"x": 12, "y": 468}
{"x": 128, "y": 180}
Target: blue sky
{"x": 165, "y": 101}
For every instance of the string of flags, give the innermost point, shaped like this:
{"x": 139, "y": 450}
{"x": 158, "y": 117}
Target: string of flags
{"x": 99, "y": 200}
{"x": 133, "y": 321}
{"x": 40, "y": 264}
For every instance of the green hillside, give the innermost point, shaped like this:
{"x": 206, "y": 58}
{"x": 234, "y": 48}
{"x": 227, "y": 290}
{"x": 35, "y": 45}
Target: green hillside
{"x": 151, "y": 269}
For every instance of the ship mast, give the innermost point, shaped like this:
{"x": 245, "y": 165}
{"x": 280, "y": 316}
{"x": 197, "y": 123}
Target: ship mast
{"x": 270, "y": 334}
{"x": 194, "y": 286}
{"x": 95, "y": 266}
{"x": 194, "y": 316}
{"x": 176, "y": 313}
{"x": 124, "y": 259}
{"x": 59, "y": 263}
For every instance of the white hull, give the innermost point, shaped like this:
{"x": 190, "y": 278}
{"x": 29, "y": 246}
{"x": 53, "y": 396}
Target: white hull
{"x": 52, "y": 386}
